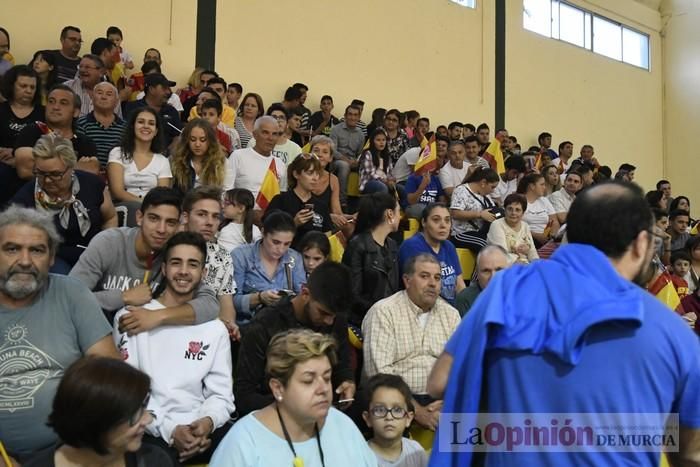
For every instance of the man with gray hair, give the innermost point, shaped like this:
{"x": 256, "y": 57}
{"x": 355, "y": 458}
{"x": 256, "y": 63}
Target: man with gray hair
{"x": 48, "y": 322}
{"x": 246, "y": 168}
{"x": 490, "y": 260}
{"x": 91, "y": 72}
{"x": 103, "y": 125}
{"x": 405, "y": 333}
{"x": 61, "y": 108}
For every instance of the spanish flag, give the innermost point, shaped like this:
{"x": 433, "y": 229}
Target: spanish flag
{"x": 427, "y": 161}
{"x": 662, "y": 287}
{"x": 494, "y": 156}
{"x": 337, "y": 242}
{"x": 270, "y": 186}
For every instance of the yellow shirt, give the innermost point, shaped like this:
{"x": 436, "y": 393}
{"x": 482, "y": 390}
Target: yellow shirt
{"x": 228, "y": 116}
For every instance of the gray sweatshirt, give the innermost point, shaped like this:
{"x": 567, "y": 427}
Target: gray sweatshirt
{"x": 109, "y": 266}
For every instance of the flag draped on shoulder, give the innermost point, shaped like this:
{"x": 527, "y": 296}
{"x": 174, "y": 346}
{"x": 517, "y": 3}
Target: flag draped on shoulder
{"x": 270, "y": 186}
{"x": 494, "y": 156}
{"x": 427, "y": 161}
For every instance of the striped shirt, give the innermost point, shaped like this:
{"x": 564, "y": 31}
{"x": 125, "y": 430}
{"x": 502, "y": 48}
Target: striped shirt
{"x": 104, "y": 138}
{"x": 85, "y": 100}
{"x": 402, "y": 339}
{"x": 305, "y": 118}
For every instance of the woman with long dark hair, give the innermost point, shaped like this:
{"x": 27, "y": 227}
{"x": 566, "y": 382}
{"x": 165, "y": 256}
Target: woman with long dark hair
{"x": 372, "y": 255}
{"x": 375, "y": 165}
{"x": 44, "y": 65}
{"x": 138, "y": 165}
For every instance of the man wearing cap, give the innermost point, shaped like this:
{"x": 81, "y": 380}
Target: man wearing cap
{"x": 157, "y": 89}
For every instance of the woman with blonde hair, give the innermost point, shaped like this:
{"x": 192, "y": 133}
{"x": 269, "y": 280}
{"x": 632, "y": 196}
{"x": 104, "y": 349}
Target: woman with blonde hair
{"x": 300, "y": 427}
{"x": 198, "y": 158}
{"x": 194, "y": 85}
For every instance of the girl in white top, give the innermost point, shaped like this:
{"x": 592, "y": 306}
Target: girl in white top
{"x": 539, "y": 215}
{"x": 512, "y": 233}
{"x": 137, "y": 166}
{"x": 238, "y": 210}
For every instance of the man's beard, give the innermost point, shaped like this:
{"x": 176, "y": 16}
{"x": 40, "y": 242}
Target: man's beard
{"x": 18, "y": 289}
{"x": 646, "y": 271}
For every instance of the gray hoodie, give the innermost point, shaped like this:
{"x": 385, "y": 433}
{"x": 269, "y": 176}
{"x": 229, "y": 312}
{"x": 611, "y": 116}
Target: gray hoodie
{"x": 109, "y": 266}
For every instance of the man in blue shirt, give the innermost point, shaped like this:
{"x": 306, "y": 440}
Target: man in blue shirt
{"x": 574, "y": 335}
{"x": 422, "y": 190}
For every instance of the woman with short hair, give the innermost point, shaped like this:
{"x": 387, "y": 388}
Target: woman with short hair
{"x": 99, "y": 414}
{"x": 301, "y": 427}
{"x": 511, "y": 233}
{"x": 22, "y": 107}
{"x": 79, "y": 201}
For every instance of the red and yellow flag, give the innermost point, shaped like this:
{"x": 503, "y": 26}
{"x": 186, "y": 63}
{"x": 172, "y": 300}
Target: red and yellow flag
{"x": 494, "y": 156}
{"x": 427, "y": 161}
{"x": 270, "y": 186}
{"x": 662, "y": 287}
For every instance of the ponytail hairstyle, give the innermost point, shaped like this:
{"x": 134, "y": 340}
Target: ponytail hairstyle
{"x": 243, "y": 197}
{"x": 489, "y": 175}
{"x": 528, "y": 180}
{"x": 371, "y": 211}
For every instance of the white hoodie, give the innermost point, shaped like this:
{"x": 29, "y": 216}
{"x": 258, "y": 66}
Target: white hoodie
{"x": 190, "y": 370}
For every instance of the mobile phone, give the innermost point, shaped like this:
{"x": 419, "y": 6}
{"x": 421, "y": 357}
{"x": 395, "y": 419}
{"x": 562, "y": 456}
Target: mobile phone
{"x": 285, "y": 293}
{"x": 309, "y": 207}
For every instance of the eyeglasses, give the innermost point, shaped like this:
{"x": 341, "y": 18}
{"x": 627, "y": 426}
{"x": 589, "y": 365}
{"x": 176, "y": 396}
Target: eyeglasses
{"x": 134, "y": 419}
{"x": 379, "y": 411}
{"x": 49, "y": 175}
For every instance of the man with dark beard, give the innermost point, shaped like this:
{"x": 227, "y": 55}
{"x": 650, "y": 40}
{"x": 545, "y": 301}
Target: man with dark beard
{"x": 321, "y": 306}
{"x": 576, "y": 335}
{"x": 47, "y": 322}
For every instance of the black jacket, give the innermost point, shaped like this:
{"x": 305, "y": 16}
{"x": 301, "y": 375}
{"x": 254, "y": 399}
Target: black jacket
{"x": 374, "y": 271}
{"x": 250, "y": 385}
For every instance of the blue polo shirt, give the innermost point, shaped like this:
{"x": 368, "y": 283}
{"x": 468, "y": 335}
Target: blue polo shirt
{"x": 450, "y": 268}
{"x": 432, "y": 192}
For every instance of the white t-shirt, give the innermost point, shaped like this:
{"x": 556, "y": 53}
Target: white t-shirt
{"x": 403, "y": 167}
{"x": 287, "y": 151}
{"x": 231, "y": 236}
{"x": 537, "y": 214}
{"x": 451, "y": 177}
{"x": 247, "y": 169}
{"x": 139, "y": 182}
{"x": 503, "y": 189}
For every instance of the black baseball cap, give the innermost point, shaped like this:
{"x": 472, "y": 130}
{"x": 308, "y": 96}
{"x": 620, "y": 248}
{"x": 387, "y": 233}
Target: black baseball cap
{"x": 154, "y": 79}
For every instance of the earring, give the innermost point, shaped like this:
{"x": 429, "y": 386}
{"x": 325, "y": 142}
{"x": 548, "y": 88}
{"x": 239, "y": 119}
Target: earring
{"x": 279, "y": 398}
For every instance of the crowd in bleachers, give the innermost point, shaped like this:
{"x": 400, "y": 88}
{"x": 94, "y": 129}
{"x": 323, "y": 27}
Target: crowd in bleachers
{"x": 279, "y": 282}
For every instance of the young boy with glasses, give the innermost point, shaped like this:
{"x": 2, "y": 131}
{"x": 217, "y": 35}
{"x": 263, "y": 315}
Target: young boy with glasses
{"x": 389, "y": 414}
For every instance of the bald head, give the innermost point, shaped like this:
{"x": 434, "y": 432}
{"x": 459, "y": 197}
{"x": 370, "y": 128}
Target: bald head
{"x": 609, "y": 216}
{"x": 490, "y": 260}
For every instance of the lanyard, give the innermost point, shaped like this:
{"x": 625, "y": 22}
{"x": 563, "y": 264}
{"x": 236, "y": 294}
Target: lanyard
{"x": 298, "y": 461}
